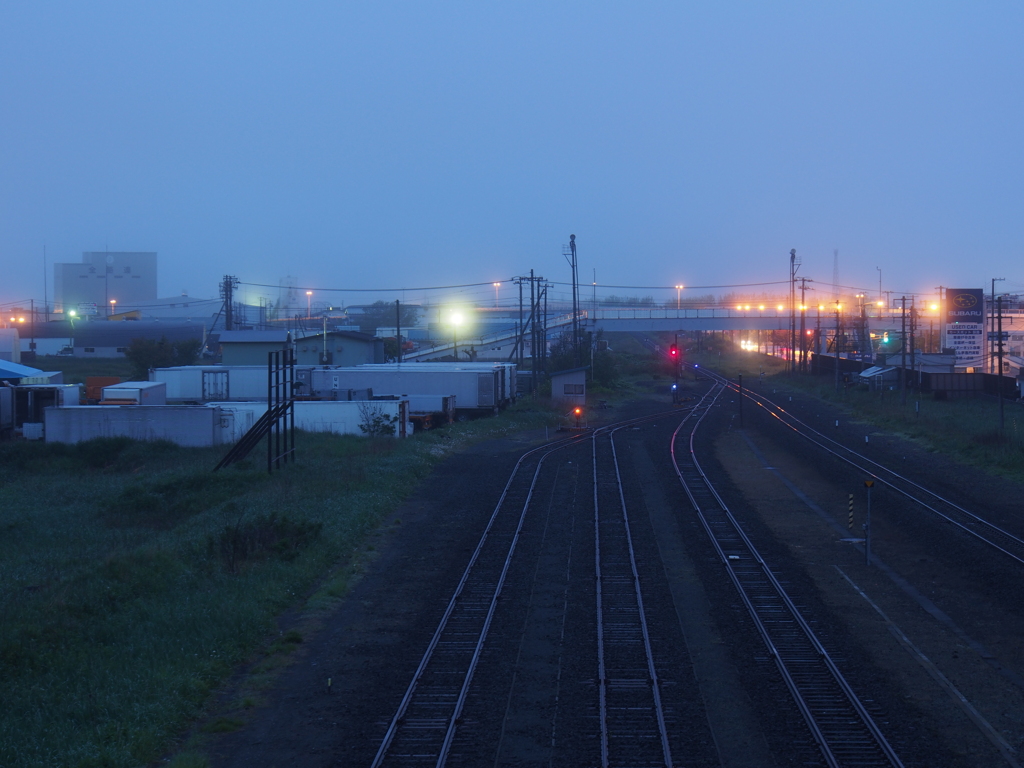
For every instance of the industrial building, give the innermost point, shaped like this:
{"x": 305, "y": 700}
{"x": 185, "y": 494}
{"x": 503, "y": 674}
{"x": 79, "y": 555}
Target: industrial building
{"x": 124, "y": 277}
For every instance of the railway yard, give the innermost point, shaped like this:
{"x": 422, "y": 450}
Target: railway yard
{"x": 679, "y": 585}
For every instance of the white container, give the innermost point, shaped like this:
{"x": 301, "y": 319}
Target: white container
{"x": 138, "y": 392}
{"x": 32, "y": 430}
{"x": 342, "y": 417}
{"x": 186, "y": 425}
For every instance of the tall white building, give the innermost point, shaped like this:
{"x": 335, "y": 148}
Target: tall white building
{"x": 126, "y": 277}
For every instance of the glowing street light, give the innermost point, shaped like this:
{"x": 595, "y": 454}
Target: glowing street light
{"x": 456, "y": 320}
{"x": 679, "y": 289}
{"x": 112, "y": 303}
{"x": 496, "y": 287}
{"x": 309, "y": 299}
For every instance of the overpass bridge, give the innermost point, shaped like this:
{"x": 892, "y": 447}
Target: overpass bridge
{"x": 643, "y": 320}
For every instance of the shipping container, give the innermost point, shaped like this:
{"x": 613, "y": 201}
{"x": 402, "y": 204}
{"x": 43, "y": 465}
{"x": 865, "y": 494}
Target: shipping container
{"x": 135, "y": 393}
{"x": 506, "y": 393}
{"x": 190, "y": 426}
{"x": 209, "y": 383}
{"x": 474, "y": 390}
{"x": 32, "y": 400}
{"x": 339, "y": 417}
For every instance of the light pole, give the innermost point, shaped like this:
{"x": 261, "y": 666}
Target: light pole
{"x": 932, "y": 345}
{"x": 496, "y": 287}
{"x": 679, "y": 289}
{"x": 456, "y": 322}
{"x": 879, "y": 283}
{"x": 112, "y": 303}
{"x": 309, "y": 304}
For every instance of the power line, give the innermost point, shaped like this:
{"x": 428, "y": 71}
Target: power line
{"x": 373, "y": 290}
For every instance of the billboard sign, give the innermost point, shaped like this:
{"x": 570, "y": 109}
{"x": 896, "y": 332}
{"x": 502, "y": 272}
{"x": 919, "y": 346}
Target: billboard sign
{"x": 965, "y": 325}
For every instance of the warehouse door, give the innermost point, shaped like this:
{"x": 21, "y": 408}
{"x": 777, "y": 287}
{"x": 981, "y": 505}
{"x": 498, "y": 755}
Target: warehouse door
{"x": 485, "y": 390}
{"x": 215, "y": 385}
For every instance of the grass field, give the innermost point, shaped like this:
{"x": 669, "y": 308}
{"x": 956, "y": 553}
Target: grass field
{"x": 77, "y": 369}
{"x": 964, "y": 428}
{"x": 133, "y": 579}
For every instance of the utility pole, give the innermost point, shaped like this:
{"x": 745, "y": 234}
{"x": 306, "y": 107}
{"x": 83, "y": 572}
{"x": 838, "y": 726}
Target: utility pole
{"x": 835, "y": 346}
{"x": 569, "y": 252}
{"x": 992, "y": 324}
{"x": 803, "y": 325}
{"x": 903, "y": 353}
{"x": 544, "y": 331}
{"x": 865, "y": 335}
{"x": 913, "y": 345}
{"x": 46, "y": 299}
{"x": 398, "y": 330}
{"x": 942, "y": 307}
{"x": 999, "y": 347}
{"x": 520, "y": 337}
{"x": 227, "y": 289}
{"x": 793, "y": 267}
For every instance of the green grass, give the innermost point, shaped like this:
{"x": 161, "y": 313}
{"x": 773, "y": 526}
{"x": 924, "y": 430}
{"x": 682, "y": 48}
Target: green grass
{"x": 133, "y": 579}
{"x": 966, "y": 429}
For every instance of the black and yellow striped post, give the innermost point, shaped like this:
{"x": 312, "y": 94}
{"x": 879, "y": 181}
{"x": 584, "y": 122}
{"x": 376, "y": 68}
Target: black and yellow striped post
{"x": 849, "y": 523}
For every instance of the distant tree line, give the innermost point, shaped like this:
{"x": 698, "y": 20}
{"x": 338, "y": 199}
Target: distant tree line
{"x": 144, "y": 354}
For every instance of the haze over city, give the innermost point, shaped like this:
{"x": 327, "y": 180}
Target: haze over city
{"x": 410, "y": 145}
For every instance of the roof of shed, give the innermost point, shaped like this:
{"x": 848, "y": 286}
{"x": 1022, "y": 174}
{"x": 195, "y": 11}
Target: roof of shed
{"x": 570, "y": 370}
{"x": 9, "y": 370}
{"x": 253, "y": 337}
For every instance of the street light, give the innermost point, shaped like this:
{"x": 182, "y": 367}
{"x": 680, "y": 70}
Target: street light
{"x": 496, "y": 287}
{"x": 679, "y": 289}
{"x": 456, "y": 320}
{"x": 309, "y": 299}
{"x": 112, "y": 303}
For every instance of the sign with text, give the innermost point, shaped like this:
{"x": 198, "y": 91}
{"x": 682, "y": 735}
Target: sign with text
{"x": 965, "y": 325}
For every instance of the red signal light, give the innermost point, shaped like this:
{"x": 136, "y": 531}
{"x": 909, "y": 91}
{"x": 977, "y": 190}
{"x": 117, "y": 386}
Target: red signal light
{"x": 673, "y": 351}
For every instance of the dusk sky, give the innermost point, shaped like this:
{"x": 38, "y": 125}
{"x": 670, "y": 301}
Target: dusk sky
{"x": 389, "y": 145}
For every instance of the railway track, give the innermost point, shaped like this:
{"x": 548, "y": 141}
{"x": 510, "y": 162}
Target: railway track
{"x": 840, "y": 724}
{"x": 426, "y": 720}
{"x": 1005, "y": 542}
{"x": 634, "y": 723}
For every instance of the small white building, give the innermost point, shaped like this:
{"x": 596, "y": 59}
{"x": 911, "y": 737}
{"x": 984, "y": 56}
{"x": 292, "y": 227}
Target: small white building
{"x": 569, "y": 387}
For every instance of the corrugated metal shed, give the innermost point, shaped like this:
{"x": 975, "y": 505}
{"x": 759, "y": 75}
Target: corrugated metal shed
{"x": 16, "y": 371}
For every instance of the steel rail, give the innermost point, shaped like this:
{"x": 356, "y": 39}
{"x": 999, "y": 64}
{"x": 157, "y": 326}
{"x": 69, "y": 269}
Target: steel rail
{"x": 451, "y": 721}
{"x": 622, "y": 613}
{"x": 800, "y": 658}
{"x": 889, "y": 477}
